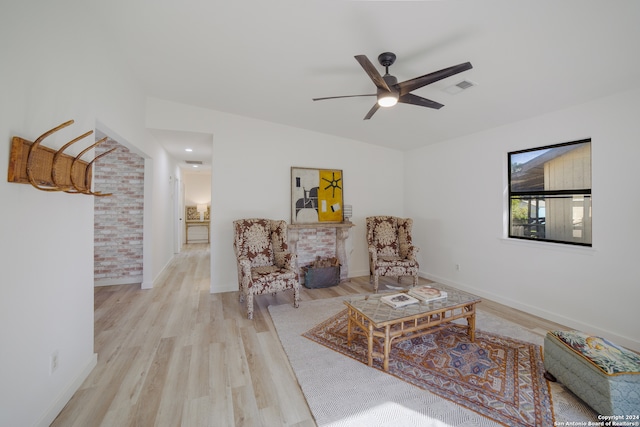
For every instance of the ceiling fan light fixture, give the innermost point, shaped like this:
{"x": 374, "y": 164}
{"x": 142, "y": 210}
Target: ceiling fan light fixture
{"x": 387, "y": 99}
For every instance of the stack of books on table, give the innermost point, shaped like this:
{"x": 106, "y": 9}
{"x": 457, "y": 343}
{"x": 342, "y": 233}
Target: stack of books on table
{"x": 399, "y": 300}
{"x": 427, "y": 293}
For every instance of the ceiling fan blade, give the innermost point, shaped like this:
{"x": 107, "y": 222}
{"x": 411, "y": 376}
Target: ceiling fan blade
{"x": 413, "y": 84}
{"x": 372, "y": 111}
{"x": 410, "y": 98}
{"x": 372, "y": 72}
{"x": 345, "y": 96}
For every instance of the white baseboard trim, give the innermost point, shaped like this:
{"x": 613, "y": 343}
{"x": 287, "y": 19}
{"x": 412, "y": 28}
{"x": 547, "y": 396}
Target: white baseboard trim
{"x": 66, "y": 395}
{"x": 226, "y": 288}
{"x": 545, "y": 314}
{"x": 149, "y": 285}
{"x": 358, "y": 273}
{"x": 114, "y": 282}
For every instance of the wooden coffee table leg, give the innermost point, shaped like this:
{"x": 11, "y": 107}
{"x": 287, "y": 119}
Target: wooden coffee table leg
{"x": 471, "y": 321}
{"x": 387, "y": 348}
{"x": 370, "y": 345}
{"x": 349, "y": 326}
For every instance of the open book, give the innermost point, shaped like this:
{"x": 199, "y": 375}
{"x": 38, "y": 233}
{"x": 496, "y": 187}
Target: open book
{"x": 398, "y": 300}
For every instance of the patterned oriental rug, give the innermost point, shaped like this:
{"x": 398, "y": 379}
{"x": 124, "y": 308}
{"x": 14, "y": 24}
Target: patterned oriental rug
{"x": 496, "y": 376}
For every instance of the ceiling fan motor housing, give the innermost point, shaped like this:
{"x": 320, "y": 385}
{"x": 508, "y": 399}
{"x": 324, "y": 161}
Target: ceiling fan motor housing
{"x": 390, "y": 80}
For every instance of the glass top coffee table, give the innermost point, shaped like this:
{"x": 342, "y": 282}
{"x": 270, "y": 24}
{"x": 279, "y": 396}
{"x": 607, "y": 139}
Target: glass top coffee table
{"x": 379, "y": 322}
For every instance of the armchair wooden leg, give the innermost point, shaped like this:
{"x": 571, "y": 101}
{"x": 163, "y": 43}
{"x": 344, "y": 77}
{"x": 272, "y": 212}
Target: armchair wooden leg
{"x": 415, "y": 280}
{"x": 250, "y": 306}
{"x": 375, "y": 283}
{"x": 296, "y": 297}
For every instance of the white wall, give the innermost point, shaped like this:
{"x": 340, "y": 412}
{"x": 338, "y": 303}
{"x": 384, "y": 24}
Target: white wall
{"x": 251, "y": 172}
{"x": 197, "y": 188}
{"x": 57, "y": 66}
{"x": 455, "y": 191}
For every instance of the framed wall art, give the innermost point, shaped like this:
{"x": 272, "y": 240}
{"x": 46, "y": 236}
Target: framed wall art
{"x": 316, "y": 195}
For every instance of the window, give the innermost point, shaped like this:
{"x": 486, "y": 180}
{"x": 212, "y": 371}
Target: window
{"x": 550, "y": 193}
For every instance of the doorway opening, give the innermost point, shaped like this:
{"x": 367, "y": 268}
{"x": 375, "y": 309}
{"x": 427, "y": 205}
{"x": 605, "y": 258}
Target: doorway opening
{"x": 197, "y": 206}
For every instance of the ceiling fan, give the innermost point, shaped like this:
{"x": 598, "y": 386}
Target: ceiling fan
{"x": 391, "y": 92}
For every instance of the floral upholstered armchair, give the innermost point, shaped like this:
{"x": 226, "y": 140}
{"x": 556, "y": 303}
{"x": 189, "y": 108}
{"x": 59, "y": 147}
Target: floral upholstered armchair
{"x": 391, "y": 252}
{"x": 264, "y": 263}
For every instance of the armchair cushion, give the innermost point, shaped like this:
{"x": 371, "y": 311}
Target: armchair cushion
{"x": 394, "y": 261}
{"x": 268, "y": 279}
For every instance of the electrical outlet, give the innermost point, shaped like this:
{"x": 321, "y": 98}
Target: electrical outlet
{"x": 53, "y": 362}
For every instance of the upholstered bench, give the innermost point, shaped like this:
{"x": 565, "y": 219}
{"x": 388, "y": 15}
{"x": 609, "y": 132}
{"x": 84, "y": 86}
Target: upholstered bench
{"x": 604, "y": 375}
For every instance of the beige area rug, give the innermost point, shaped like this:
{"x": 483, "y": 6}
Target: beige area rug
{"x": 344, "y": 392}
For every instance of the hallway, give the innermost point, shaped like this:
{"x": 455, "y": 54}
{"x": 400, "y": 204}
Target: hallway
{"x": 178, "y": 355}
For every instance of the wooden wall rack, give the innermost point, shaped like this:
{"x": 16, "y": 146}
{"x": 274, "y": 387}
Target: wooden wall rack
{"x": 50, "y": 170}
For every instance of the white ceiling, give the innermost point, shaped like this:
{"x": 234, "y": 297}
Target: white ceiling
{"x": 177, "y": 142}
{"x": 268, "y": 59}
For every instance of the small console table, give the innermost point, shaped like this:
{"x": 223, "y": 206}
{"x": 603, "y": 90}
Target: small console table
{"x": 189, "y": 224}
{"x": 194, "y": 219}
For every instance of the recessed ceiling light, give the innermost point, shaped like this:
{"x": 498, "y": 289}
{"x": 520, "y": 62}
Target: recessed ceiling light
{"x": 188, "y": 149}
{"x": 195, "y": 166}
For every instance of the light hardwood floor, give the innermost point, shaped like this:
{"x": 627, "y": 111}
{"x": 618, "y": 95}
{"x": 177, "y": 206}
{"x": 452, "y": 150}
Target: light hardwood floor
{"x": 177, "y": 355}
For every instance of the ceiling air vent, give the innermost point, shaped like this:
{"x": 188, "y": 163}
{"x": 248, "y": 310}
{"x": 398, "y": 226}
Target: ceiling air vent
{"x": 465, "y": 84}
{"x": 193, "y": 162}
{"x": 459, "y": 87}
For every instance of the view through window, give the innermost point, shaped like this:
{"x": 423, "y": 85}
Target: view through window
{"x": 550, "y": 193}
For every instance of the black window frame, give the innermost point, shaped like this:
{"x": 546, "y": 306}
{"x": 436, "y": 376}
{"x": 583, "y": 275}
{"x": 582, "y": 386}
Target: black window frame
{"x": 541, "y": 194}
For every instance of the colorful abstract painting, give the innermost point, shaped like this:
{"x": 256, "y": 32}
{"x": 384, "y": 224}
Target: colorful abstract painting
{"x": 316, "y": 195}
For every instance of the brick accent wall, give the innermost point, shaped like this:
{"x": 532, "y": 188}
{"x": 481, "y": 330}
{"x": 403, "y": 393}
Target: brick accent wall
{"x": 316, "y": 242}
{"x": 118, "y": 219}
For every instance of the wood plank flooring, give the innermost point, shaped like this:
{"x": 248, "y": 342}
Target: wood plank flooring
{"x": 176, "y": 355}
